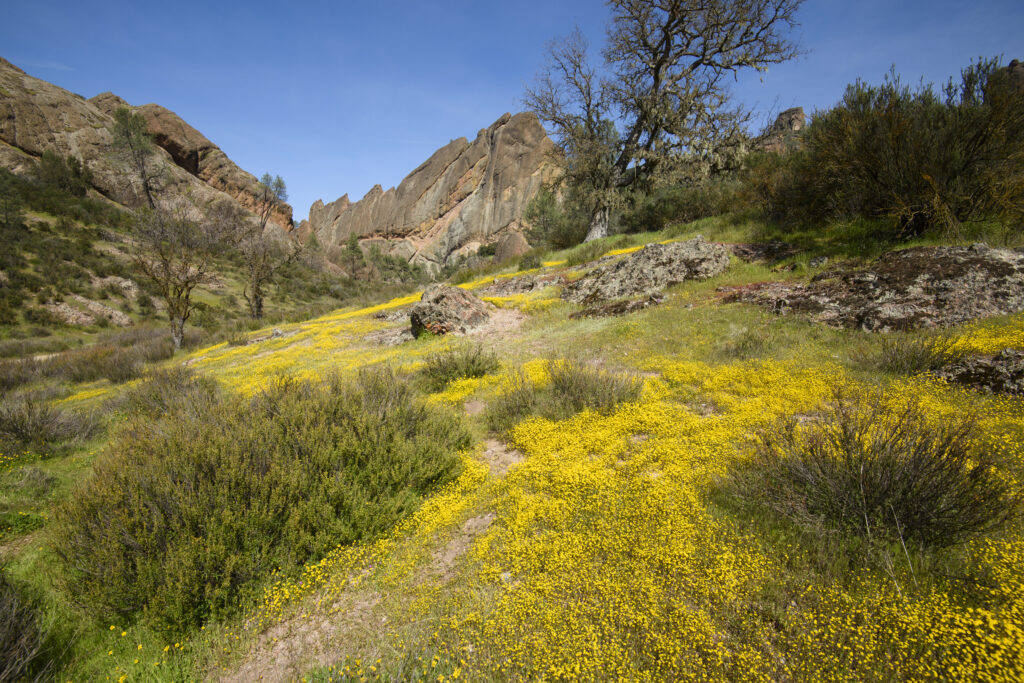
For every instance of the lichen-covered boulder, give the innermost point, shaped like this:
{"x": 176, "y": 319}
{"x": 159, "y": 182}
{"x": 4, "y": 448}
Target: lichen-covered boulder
{"x": 920, "y": 287}
{"x": 1002, "y": 373}
{"x": 447, "y": 310}
{"x": 649, "y": 270}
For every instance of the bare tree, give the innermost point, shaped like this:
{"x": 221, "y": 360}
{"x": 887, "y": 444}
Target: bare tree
{"x": 264, "y": 254}
{"x": 134, "y": 145}
{"x": 175, "y": 250}
{"x": 660, "y": 103}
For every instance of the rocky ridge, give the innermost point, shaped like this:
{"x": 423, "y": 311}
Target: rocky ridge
{"x": 465, "y": 195}
{"x": 36, "y": 116}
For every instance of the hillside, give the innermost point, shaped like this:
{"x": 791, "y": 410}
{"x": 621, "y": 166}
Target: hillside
{"x": 611, "y": 516}
{"x": 36, "y": 116}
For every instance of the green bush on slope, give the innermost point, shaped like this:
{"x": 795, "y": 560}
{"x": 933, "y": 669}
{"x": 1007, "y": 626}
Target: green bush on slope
{"x": 185, "y": 512}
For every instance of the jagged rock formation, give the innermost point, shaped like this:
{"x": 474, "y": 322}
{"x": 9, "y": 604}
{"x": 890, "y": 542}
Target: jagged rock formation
{"x": 467, "y": 194}
{"x": 649, "y": 271}
{"x": 782, "y": 133}
{"x": 1015, "y": 72}
{"x": 903, "y": 290}
{"x": 36, "y": 116}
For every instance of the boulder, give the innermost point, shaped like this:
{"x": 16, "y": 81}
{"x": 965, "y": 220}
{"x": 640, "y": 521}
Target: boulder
{"x": 649, "y": 270}
{"x": 903, "y": 290}
{"x": 621, "y": 307}
{"x": 513, "y": 245}
{"x": 1002, "y": 373}
{"x": 444, "y": 309}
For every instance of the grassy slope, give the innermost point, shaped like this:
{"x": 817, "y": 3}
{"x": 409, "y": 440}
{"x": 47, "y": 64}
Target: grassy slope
{"x": 613, "y": 551}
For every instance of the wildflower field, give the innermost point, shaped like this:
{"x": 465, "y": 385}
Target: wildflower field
{"x": 616, "y": 543}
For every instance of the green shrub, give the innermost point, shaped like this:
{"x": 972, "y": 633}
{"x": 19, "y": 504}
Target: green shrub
{"x": 750, "y": 342}
{"x": 187, "y": 513}
{"x": 468, "y": 360}
{"x": 877, "y": 470}
{"x": 551, "y": 223}
{"x": 574, "y": 386}
{"x": 920, "y": 160}
{"x": 529, "y": 260}
{"x": 587, "y": 252}
{"x": 683, "y": 204}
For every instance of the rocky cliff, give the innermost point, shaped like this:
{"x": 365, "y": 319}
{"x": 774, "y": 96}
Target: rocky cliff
{"x": 36, "y": 116}
{"x": 464, "y": 196}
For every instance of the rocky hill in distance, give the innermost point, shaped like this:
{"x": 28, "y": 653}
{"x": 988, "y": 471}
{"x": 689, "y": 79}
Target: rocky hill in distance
{"x": 36, "y": 116}
{"x": 466, "y": 195}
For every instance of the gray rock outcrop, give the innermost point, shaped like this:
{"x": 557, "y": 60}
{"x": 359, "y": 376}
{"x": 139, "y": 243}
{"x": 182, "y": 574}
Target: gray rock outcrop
{"x": 1001, "y": 373}
{"x": 467, "y": 194}
{"x": 913, "y": 288}
{"x": 444, "y": 309}
{"x": 648, "y": 271}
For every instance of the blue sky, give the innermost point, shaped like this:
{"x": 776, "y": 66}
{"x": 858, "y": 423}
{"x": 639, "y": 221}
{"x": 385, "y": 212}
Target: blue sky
{"x": 338, "y": 96}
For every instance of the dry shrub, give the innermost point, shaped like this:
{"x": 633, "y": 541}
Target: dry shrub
{"x": 575, "y": 386}
{"x": 468, "y": 360}
{"x": 910, "y": 354}
{"x": 872, "y": 468}
{"x": 23, "y": 641}
{"x": 32, "y": 422}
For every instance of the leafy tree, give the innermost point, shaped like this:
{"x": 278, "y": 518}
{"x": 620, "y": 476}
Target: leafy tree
{"x": 10, "y": 201}
{"x": 659, "y": 108}
{"x": 353, "y": 254}
{"x": 916, "y": 158}
{"x": 134, "y": 145}
{"x": 550, "y": 223}
{"x": 175, "y": 251}
{"x": 264, "y": 254}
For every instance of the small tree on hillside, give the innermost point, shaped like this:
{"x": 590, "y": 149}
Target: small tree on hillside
{"x": 264, "y": 254}
{"x": 660, "y": 105}
{"x": 11, "y": 213}
{"x": 134, "y": 146}
{"x": 69, "y": 174}
{"x": 175, "y": 250}
{"x": 354, "y": 254}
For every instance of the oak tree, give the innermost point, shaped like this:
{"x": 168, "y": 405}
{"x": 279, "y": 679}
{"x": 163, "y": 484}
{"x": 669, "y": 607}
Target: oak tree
{"x": 659, "y": 104}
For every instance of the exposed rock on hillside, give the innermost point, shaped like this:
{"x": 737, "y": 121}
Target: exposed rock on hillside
{"x": 649, "y": 270}
{"x": 447, "y": 310}
{"x": 36, "y": 116}
{"x": 467, "y": 194}
{"x": 912, "y": 288}
{"x": 782, "y": 133}
{"x": 1002, "y": 373}
{"x": 511, "y": 246}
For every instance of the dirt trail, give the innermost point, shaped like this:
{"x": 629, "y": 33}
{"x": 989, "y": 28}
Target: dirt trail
{"x": 287, "y": 650}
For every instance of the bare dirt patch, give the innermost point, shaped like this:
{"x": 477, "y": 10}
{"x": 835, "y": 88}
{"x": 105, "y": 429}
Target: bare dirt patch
{"x": 288, "y": 649}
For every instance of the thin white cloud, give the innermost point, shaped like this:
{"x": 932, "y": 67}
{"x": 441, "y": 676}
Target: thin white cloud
{"x": 52, "y": 66}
